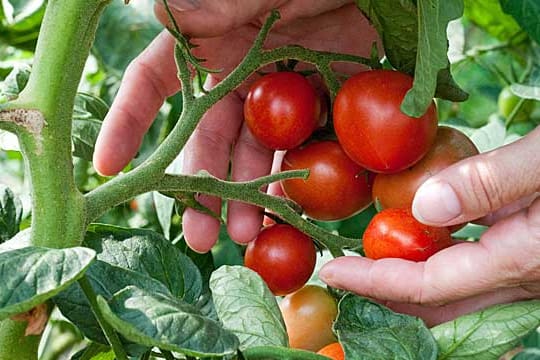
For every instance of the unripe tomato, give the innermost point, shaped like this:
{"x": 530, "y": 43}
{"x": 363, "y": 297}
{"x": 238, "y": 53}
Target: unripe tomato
{"x": 371, "y": 127}
{"x": 395, "y": 233}
{"x": 282, "y": 109}
{"x": 397, "y": 190}
{"x": 336, "y": 188}
{"x": 309, "y": 314}
{"x": 333, "y": 351}
{"x": 283, "y": 256}
{"x": 508, "y": 101}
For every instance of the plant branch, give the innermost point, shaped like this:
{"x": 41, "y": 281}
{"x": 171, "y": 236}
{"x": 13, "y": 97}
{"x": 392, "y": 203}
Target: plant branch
{"x": 109, "y": 332}
{"x": 272, "y": 352}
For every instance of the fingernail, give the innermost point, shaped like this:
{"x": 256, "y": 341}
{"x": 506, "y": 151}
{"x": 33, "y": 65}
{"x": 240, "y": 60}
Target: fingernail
{"x": 436, "y": 203}
{"x": 184, "y": 5}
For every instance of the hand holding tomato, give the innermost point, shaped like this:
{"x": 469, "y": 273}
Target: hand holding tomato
{"x": 223, "y": 31}
{"x": 499, "y": 188}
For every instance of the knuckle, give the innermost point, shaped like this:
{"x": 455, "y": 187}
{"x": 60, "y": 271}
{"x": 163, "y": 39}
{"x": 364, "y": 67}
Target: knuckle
{"x": 482, "y": 186}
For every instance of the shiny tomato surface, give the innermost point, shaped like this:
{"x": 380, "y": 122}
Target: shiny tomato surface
{"x": 283, "y": 256}
{"x": 336, "y": 188}
{"x": 371, "y": 127}
{"x": 395, "y": 233}
{"x": 333, "y": 351}
{"x": 282, "y": 109}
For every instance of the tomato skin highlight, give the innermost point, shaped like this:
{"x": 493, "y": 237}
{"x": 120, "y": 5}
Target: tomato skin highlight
{"x": 282, "y": 110}
{"x": 395, "y": 233}
{"x": 333, "y": 351}
{"x": 398, "y": 190}
{"x": 309, "y": 314}
{"x": 283, "y": 256}
{"x": 336, "y": 188}
{"x": 371, "y": 127}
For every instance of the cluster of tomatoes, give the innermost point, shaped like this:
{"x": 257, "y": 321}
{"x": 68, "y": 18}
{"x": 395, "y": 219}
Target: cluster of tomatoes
{"x": 380, "y": 154}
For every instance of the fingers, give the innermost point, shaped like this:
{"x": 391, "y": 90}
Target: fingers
{"x": 481, "y": 184}
{"x": 148, "y": 81}
{"x": 251, "y": 160}
{"x": 209, "y": 148}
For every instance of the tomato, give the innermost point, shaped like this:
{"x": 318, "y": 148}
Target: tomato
{"x": 371, "y": 127}
{"x": 508, "y": 101}
{"x": 309, "y": 314}
{"x": 397, "y": 190}
{"x": 336, "y": 188}
{"x": 334, "y": 351}
{"x": 282, "y": 109}
{"x": 283, "y": 256}
{"x": 395, "y": 233}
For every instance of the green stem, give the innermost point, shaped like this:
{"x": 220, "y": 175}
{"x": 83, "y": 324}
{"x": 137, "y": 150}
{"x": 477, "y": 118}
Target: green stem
{"x": 13, "y": 343}
{"x": 109, "y": 332}
{"x": 58, "y": 214}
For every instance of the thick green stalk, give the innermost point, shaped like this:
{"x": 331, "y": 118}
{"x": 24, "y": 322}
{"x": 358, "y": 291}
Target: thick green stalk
{"x": 67, "y": 33}
{"x": 43, "y": 112}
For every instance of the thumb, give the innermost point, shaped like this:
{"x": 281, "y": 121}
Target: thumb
{"x": 480, "y": 185}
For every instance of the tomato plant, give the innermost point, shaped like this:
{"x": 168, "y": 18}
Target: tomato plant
{"x": 334, "y": 351}
{"x": 309, "y": 314}
{"x": 282, "y": 109}
{"x": 283, "y": 256}
{"x": 507, "y": 101}
{"x": 397, "y": 190}
{"x": 371, "y": 127}
{"x": 395, "y": 233}
{"x": 336, "y": 188}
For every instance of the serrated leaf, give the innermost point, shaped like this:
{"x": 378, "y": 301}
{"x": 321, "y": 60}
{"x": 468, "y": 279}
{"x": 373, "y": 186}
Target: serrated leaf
{"x": 40, "y": 274}
{"x": 431, "y": 58}
{"x": 10, "y": 214}
{"x": 246, "y": 306}
{"x": 106, "y": 280}
{"x": 149, "y": 253}
{"x": 487, "y": 334}
{"x": 15, "y": 82}
{"x": 526, "y": 13}
{"x": 370, "y": 331}
{"x": 166, "y": 322}
{"x": 88, "y": 114}
{"x": 491, "y": 135}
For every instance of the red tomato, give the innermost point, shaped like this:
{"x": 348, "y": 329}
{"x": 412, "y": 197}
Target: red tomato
{"x": 336, "y": 188}
{"x": 333, "y": 351}
{"x": 283, "y": 256}
{"x": 397, "y": 190}
{"x": 395, "y": 233}
{"x": 282, "y": 109}
{"x": 309, "y": 314}
{"x": 371, "y": 127}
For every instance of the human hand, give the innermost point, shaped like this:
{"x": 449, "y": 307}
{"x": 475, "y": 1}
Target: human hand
{"x": 500, "y": 188}
{"x": 224, "y": 31}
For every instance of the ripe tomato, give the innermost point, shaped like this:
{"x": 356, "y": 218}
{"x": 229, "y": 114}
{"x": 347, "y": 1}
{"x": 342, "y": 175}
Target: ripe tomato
{"x": 395, "y": 233}
{"x": 309, "y": 314}
{"x": 283, "y": 256}
{"x": 334, "y": 351}
{"x": 371, "y": 127}
{"x": 507, "y": 101}
{"x": 282, "y": 109}
{"x": 336, "y": 188}
{"x": 397, "y": 190}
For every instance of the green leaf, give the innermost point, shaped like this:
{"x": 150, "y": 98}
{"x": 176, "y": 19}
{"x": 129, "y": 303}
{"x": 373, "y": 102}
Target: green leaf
{"x": 149, "y": 253}
{"x": 490, "y": 136}
{"x": 528, "y": 354}
{"x": 88, "y": 115}
{"x": 10, "y": 213}
{"x": 488, "y": 15}
{"x": 40, "y": 274}
{"x": 166, "y": 322}
{"x": 95, "y": 352}
{"x": 19, "y": 25}
{"x": 14, "y": 83}
{"x": 431, "y": 58}
{"x": 370, "y": 331}
{"x": 487, "y": 334}
{"x": 246, "y": 306}
{"x": 164, "y": 209}
{"x": 526, "y": 13}
{"x": 106, "y": 280}
{"x": 276, "y": 352}
{"x": 526, "y": 91}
